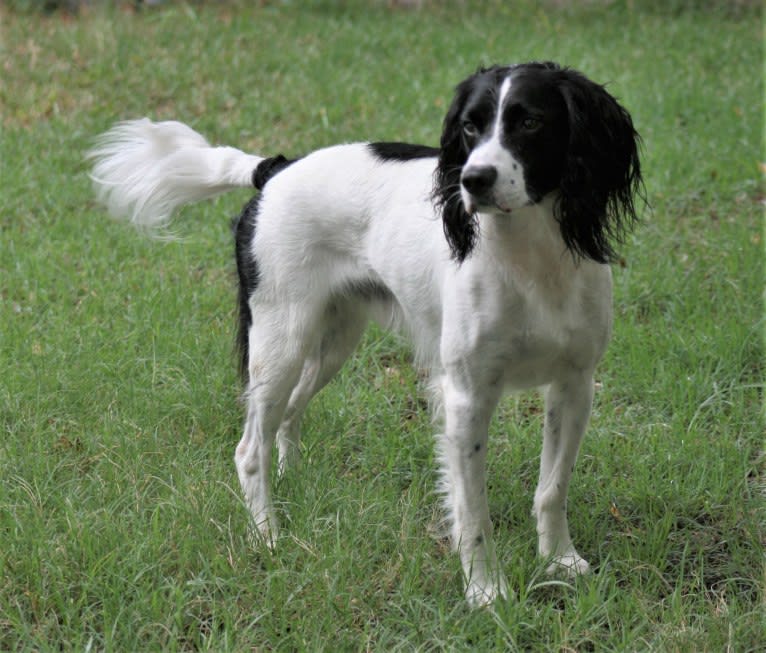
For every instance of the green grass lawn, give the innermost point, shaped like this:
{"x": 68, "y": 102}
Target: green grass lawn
{"x": 121, "y": 523}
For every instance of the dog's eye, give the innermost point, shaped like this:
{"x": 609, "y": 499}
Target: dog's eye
{"x": 530, "y": 124}
{"x": 470, "y": 129}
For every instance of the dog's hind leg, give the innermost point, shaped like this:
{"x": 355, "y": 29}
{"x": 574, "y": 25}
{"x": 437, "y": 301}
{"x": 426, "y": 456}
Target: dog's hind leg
{"x": 340, "y": 330}
{"x": 279, "y": 341}
{"x": 289, "y": 435}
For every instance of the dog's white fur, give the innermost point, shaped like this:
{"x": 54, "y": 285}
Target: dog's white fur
{"x": 144, "y": 171}
{"x": 520, "y": 312}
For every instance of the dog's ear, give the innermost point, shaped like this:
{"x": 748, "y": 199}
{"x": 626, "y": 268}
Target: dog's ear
{"x": 602, "y": 172}
{"x": 459, "y": 227}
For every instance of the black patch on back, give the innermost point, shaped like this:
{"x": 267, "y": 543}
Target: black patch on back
{"x": 248, "y": 275}
{"x": 402, "y": 151}
{"x": 267, "y": 168}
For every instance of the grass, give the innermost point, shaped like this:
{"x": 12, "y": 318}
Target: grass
{"x": 121, "y": 526}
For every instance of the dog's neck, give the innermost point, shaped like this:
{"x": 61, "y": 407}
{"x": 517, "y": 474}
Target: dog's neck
{"x": 529, "y": 231}
{"x": 527, "y": 244}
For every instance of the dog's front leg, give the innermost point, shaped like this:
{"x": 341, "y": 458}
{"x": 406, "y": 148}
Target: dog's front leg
{"x": 567, "y": 409}
{"x": 468, "y": 407}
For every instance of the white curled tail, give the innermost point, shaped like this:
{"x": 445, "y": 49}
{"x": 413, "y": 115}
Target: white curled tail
{"x": 143, "y": 171}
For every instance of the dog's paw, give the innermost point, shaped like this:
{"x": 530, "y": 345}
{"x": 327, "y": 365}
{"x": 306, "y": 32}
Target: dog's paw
{"x": 480, "y": 595}
{"x": 569, "y": 566}
{"x": 264, "y": 533}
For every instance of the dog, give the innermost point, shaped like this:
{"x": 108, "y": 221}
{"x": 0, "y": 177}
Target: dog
{"x": 489, "y": 252}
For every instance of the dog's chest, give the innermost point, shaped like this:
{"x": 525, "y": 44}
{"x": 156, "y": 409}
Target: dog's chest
{"x": 537, "y": 339}
{"x": 552, "y": 330}
{"x": 529, "y": 331}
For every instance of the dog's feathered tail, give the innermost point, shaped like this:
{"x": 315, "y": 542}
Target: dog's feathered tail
{"x": 143, "y": 171}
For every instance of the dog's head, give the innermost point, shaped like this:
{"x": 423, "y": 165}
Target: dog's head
{"x": 514, "y": 135}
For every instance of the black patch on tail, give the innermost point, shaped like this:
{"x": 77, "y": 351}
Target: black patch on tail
{"x": 267, "y": 168}
{"x": 248, "y": 275}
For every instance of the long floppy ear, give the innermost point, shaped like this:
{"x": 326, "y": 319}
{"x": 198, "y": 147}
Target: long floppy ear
{"x": 459, "y": 227}
{"x": 602, "y": 172}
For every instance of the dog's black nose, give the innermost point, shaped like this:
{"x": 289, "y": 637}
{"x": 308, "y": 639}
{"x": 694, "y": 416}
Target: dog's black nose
{"x": 477, "y": 180}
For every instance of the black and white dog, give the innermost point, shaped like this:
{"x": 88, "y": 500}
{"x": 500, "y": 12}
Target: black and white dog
{"x": 490, "y": 253}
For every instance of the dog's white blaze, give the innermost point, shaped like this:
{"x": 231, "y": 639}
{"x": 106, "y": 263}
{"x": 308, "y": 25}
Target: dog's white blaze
{"x": 504, "y": 89}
